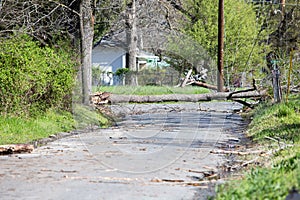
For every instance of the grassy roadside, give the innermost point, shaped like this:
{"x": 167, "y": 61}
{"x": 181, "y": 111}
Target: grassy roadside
{"x": 272, "y": 127}
{"x": 151, "y": 90}
{"x": 14, "y": 130}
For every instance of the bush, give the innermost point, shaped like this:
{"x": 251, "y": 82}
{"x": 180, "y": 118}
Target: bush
{"x": 33, "y": 78}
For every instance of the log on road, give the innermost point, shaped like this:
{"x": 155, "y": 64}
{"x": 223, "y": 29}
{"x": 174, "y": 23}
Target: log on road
{"x": 114, "y": 98}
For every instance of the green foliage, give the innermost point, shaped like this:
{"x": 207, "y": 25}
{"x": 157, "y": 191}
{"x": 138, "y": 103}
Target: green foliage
{"x": 33, "y": 78}
{"x": 121, "y": 72}
{"x": 96, "y": 74}
{"x": 184, "y": 52}
{"x": 277, "y": 178}
{"x": 242, "y": 33}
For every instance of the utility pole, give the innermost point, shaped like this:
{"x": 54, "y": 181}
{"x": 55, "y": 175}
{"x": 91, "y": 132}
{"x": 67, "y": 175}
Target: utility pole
{"x": 220, "y": 80}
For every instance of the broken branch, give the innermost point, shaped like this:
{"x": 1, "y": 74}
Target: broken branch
{"x": 236, "y": 152}
{"x": 16, "y": 148}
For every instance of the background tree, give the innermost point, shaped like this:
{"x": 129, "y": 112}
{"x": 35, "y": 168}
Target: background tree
{"x": 242, "y": 33}
{"x": 139, "y": 26}
{"x": 46, "y": 21}
{"x": 87, "y": 35}
{"x": 131, "y": 40}
{"x": 51, "y": 21}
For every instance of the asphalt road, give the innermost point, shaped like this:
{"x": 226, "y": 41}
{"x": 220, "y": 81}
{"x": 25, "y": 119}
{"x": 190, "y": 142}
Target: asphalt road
{"x": 157, "y": 151}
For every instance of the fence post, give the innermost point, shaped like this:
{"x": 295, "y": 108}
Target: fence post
{"x": 276, "y": 82}
{"x": 289, "y": 75}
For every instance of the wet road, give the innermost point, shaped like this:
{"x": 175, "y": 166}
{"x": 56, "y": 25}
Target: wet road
{"x": 157, "y": 151}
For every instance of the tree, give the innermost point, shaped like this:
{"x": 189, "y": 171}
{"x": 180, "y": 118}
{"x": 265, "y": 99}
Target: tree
{"x": 242, "y": 33}
{"x": 107, "y": 16}
{"x": 49, "y": 21}
{"x": 87, "y": 34}
{"x": 283, "y": 23}
{"x": 141, "y": 25}
{"x": 131, "y": 40}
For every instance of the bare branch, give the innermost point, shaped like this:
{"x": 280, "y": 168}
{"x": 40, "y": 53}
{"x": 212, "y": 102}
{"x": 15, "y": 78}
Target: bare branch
{"x": 64, "y": 6}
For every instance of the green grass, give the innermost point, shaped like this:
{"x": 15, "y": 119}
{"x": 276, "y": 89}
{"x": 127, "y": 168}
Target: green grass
{"x": 150, "y": 90}
{"x": 85, "y": 116}
{"x": 14, "y": 130}
{"x": 282, "y": 171}
{"x": 23, "y": 130}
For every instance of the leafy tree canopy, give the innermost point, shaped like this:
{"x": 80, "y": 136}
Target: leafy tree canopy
{"x": 242, "y": 32}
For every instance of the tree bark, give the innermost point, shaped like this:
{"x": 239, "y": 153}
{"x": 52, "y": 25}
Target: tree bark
{"x": 87, "y": 33}
{"x": 114, "y": 98}
{"x": 131, "y": 37}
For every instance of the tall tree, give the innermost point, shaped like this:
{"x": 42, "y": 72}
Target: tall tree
{"x": 242, "y": 33}
{"x": 87, "y": 34}
{"x": 47, "y": 21}
{"x": 132, "y": 40}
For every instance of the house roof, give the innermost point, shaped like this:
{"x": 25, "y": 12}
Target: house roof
{"x": 110, "y": 43}
{"x": 119, "y": 44}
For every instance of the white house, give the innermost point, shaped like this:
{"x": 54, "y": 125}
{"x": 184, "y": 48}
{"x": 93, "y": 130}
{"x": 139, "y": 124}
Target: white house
{"x": 108, "y": 57}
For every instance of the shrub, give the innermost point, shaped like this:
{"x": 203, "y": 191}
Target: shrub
{"x": 33, "y": 78}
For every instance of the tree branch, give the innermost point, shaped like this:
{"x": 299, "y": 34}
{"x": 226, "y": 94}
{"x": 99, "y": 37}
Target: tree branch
{"x": 179, "y": 7}
{"x": 64, "y": 6}
{"x": 241, "y": 91}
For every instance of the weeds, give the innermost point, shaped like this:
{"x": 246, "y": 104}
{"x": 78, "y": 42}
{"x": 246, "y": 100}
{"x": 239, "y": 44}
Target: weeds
{"x": 277, "y": 177}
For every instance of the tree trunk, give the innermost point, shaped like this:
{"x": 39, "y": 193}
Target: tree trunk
{"x": 87, "y": 34}
{"x": 113, "y": 98}
{"x": 131, "y": 36}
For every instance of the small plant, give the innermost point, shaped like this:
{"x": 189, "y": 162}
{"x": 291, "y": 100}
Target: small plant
{"x": 284, "y": 111}
{"x": 122, "y": 71}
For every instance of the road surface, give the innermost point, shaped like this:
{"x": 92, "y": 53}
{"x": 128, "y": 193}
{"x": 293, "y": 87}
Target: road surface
{"x": 157, "y": 151}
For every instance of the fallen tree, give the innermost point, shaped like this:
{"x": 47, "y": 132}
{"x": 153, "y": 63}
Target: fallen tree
{"x": 115, "y": 98}
{"x": 190, "y": 80}
{"x": 100, "y": 98}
